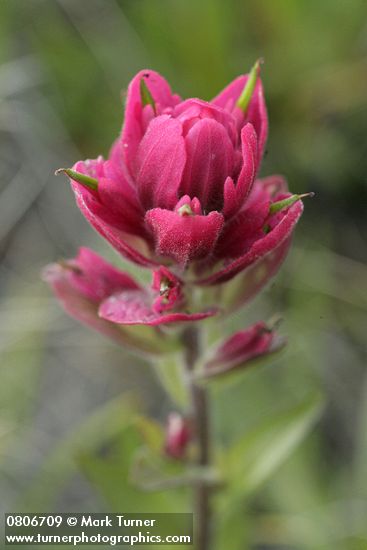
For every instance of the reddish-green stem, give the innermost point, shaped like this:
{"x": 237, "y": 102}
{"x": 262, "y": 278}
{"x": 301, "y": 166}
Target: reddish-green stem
{"x": 200, "y": 420}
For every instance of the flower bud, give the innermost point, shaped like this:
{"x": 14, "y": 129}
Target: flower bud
{"x": 177, "y": 436}
{"x": 244, "y": 347}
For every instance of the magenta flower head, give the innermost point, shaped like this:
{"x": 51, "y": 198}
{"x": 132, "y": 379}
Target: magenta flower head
{"x": 180, "y": 185}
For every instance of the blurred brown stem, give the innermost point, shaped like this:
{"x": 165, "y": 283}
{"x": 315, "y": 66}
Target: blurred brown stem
{"x": 200, "y": 419}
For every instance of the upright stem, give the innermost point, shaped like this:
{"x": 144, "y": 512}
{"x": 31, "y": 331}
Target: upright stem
{"x": 200, "y": 418}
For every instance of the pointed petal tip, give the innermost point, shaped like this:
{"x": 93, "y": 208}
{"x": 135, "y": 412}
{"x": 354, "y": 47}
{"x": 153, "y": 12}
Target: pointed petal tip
{"x": 60, "y": 171}
{"x": 83, "y": 179}
{"x": 257, "y": 65}
{"x": 243, "y": 101}
{"x": 146, "y": 96}
{"x": 289, "y": 201}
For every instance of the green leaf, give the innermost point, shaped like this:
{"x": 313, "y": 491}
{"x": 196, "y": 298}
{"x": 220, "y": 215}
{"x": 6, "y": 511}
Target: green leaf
{"x": 152, "y": 472}
{"x": 151, "y": 432}
{"x": 111, "y": 477}
{"x": 169, "y": 370}
{"x": 260, "y": 452}
{"x": 147, "y": 341}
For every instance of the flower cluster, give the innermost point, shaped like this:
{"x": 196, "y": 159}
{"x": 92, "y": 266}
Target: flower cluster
{"x": 179, "y": 194}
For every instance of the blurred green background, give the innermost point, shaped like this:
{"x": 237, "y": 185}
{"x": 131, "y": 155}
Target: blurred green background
{"x": 63, "y": 64}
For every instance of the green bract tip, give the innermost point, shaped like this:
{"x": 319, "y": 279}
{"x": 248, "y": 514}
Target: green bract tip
{"x": 85, "y": 180}
{"x": 244, "y": 100}
{"x": 146, "y": 96}
{"x": 285, "y": 203}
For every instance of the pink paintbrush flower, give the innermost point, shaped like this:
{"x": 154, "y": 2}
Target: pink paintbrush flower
{"x": 179, "y": 187}
{"x": 99, "y": 295}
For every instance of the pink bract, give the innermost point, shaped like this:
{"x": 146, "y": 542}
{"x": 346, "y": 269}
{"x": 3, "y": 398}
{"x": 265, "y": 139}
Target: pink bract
{"x": 96, "y": 293}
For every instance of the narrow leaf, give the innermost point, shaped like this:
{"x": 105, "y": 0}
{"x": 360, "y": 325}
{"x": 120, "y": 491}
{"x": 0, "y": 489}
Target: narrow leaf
{"x": 257, "y": 455}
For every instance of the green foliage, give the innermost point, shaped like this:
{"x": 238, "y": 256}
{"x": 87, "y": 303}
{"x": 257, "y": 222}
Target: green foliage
{"x": 170, "y": 374}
